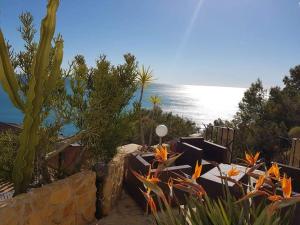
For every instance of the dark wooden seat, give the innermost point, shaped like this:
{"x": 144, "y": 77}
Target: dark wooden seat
{"x": 292, "y": 172}
{"x": 206, "y": 166}
{"x": 211, "y": 151}
{"x": 215, "y": 152}
{"x": 214, "y": 185}
{"x": 190, "y": 154}
{"x": 196, "y": 141}
{"x": 141, "y": 164}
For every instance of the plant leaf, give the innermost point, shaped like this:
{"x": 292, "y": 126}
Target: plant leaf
{"x": 7, "y": 76}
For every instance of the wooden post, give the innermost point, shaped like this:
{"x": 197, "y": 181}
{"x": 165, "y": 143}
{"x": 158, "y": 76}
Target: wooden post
{"x": 294, "y": 158}
{"x": 226, "y": 140}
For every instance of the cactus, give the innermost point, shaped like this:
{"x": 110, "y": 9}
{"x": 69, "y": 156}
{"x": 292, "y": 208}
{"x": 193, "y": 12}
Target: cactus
{"x": 32, "y": 104}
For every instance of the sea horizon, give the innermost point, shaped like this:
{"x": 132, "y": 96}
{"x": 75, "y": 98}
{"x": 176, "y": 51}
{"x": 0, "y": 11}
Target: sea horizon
{"x": 200, "y": 85}
{"x": 201, "y": 104}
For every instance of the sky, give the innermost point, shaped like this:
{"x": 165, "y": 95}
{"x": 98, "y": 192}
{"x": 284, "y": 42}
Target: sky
{"x": 201, "y": 42}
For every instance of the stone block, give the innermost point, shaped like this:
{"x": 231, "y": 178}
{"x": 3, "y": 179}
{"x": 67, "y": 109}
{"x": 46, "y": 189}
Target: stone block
{"x": 69, "y": 209}
{"x": 34, "y": 218}
{"x": 71, "y": 220}
{"x": 56, "y": 203}
{"x": 113, "y": 182}
{"x": 60, "y": 195}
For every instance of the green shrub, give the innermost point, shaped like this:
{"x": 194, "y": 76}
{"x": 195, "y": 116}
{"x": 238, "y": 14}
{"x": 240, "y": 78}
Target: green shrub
{"x": 106, "y": 119}
{"x": 177, "y": 126}
{"x": 8, "y": 151}
{"x": 33, "y": 97}
{"x": 222, "y": 211}
{"x": 294, "y": 132}
{"x": 265, "y": 116}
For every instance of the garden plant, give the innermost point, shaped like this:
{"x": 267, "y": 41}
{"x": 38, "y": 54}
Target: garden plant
{"x": 267, "y": 196}
{"x": 32, "y": 103}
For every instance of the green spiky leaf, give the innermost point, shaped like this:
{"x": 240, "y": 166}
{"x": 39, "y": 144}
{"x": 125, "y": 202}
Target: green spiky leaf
{"x": 7, "y": 76}
{"x": 29, "y": 138}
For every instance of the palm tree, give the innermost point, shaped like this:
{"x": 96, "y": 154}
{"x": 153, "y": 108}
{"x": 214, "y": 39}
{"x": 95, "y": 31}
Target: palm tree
{"x": 145, "y": 77}
{"x": 155, "y": 100}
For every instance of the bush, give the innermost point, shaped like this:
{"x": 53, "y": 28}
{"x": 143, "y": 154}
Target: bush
{"x": 264, "y": 118}
{"x": 177, "y": 126}
{"x": 106, "y": 119}
{"x": 294, "y": 132}
{"x": 8, "y": 152}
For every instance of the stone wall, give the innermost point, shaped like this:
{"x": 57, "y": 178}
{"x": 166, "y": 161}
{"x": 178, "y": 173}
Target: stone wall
{"x": 70, "y": 201}
{"x": 113, "y": 182}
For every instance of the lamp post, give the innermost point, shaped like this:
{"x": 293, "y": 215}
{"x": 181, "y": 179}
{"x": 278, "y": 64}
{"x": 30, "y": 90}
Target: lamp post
{"x": 161, "y": 131}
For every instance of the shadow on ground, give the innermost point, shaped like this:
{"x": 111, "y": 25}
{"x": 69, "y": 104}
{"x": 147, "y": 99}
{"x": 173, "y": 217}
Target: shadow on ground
{"x": 126, "y": 212}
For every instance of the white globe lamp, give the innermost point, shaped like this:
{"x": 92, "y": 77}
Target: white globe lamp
{"x": 161, "y": 131}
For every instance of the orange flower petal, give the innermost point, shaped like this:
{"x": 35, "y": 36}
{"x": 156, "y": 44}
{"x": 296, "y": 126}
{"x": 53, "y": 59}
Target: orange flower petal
{"x": 274, "y": 171}
{"x": 274, "y": 198}
{"x": 250, "y": 159}
{"x": 256, "y": 157}
{"x": 233, "y": 172}
{"x": 197, "y": 172}
{"x": 153, "y": 180}
{"x": 286, "y": 185}
{"x": 161, "y": 154}
{"x": 152, "y": 205}
{"x": 259, "y": 182}
{"x": 150, "y": 202}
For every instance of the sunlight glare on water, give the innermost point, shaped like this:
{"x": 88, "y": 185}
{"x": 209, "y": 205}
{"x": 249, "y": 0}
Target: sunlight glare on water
{"x": 202, "y": 104}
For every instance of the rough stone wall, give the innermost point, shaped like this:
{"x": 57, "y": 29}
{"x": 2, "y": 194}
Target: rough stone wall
{"x": 113, "y": 182}
{"x": 70, "y": 201}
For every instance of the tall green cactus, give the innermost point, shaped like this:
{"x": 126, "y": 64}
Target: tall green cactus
{"x": 37, "y": 93}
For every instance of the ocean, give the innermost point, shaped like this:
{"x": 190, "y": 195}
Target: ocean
{"x": 201, "y": 104}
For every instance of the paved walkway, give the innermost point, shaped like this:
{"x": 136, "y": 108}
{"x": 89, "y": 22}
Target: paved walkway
{"x": 127, "y": 212}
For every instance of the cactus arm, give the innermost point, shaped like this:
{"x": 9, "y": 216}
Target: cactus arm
{"x": 24, "y": 164}
{"x": 7, "y": 76}
{"x": 57, "y": 61}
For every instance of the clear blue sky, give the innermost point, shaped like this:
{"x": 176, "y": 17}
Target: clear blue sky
{"x": 210, "y": 42}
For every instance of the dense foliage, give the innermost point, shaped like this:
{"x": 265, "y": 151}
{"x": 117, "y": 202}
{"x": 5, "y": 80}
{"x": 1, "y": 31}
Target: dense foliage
{"x": 39, "y": 65}
{"x": 101, "y": 102}
{"x": 8, "y": 152}
{"x": 177, "y": 126}
{"x": 112, "y": 88}
{"x": 53, "y": 114}
{"x": 265, "y": 117}
{"x": 294, "y": 132}
{"x": 97, "y": 101}
{"x": 144, "y": 78}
